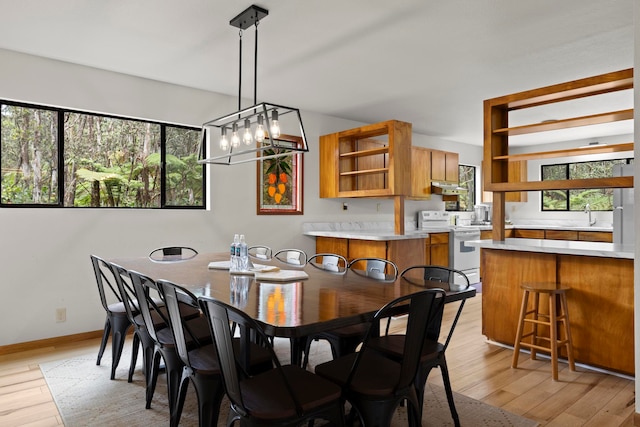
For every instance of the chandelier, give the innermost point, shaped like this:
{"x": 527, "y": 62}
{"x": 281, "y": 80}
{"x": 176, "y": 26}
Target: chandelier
{"x": 252, "y": 133}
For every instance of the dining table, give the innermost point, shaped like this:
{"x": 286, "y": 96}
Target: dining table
{"x": 296, "y": 303}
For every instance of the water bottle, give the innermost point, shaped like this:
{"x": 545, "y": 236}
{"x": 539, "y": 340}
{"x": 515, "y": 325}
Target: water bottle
{"x": 233, "y": 261}
{"x": 243, "y": 254}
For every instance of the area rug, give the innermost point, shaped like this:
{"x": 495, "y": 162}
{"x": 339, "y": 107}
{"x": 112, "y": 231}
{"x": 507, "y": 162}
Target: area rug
{"x": 85, "y": 396}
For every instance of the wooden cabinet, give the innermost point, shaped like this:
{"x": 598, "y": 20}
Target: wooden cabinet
{"x": 601, "y": 288}
{"x": 561, "y": 234}
{"x": 497, "y": 131}
{"x": 369, "y": 161}
{"x": 580, "y": 235}
{"x": 444, "y": 166}
{"x": 404, "y": 252}
{"x": 437, "y": 249}
{"x": 596, "y": 236}
{"x": 517, "y": 172}
{"x": 523, "y": 233}
{"x": 420, "y": 173}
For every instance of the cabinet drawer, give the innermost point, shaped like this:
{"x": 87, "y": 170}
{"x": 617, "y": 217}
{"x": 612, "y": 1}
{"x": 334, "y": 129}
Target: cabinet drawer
{"x": 528, "y": 234}
{"x": 596, "y": 236}
{"x": 561, "y": 235}
{"x": 437, "y": 238}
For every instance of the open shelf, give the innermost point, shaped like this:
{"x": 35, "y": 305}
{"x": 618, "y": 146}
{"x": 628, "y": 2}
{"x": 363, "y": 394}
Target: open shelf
{"x": 596, "y": 149}
{"x": 497, "y": 132}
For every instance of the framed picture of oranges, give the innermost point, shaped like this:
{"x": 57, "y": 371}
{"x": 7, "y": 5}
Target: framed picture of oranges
{"x": 279, "y": 181}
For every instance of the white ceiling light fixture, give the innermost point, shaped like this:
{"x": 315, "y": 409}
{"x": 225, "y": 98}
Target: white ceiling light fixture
{"x": 254, "y": 130}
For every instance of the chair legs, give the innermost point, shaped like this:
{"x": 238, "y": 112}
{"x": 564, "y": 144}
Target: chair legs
{"x": 173, "y": 371}
{"x": 380, "y": 413}
{"x": 422, "y": 381}
{"x": 105, "y": 338}
{"x": 119, "y": 327}
{"x": 142, "y": 339}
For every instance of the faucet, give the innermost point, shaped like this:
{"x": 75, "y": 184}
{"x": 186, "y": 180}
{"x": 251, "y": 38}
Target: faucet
{"x": 587, "y": 210}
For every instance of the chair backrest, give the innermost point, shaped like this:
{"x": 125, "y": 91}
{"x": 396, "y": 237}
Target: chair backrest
{"x": 446, "y": 278}
{"x": 260, "y": 252}
{"x": 375, "y": 268}
{"x": 234, "y": 364}
{"x": 332, "y": 263}
{"x": 125, "y": 287}
{"x": 172, "y": 254}
{"x": 144, "y": 287}
{"x": 294, "y": 257}
{"x": 174, "y": 296}
{"x": 424, "y": 309}
{"x": 107, "y": 286}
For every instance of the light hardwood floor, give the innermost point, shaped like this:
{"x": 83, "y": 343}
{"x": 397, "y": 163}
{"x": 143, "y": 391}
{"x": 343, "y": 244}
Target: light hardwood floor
{"x": 478, "y": 369}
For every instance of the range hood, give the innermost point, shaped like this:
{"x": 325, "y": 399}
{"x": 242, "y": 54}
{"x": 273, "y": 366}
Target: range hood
{"x": 447, "y": 188}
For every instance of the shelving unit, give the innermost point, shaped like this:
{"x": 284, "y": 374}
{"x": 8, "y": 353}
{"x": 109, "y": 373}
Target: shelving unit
{"x": 497, "y": 132}
{"x": 361, "y": 162}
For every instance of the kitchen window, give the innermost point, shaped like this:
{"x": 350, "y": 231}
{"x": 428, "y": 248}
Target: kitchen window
{"x": 53, "y": 157}
{"x": 466, "y": 180}
{"x": 599, "y": 199}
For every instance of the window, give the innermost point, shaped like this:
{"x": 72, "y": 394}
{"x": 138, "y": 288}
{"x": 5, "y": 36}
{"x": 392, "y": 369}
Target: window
{"x": 57, "y": 157}
{"x": 467, "y": 180}
{"x": 599, "y": 199}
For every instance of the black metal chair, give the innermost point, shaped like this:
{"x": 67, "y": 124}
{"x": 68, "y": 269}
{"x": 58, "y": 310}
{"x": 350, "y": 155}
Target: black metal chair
{"x": 260, "y": 252}
{"x": 282, "y": 396}
{"x": 172, "y": 254}
{"x": 376, "y": 385}
{"x": 345, "y": 340}
{"x": 433, "y": 352}
{"x": 117, "y": 323}
{"x": 291, "y": 257}
{"x": 201, "y": 365}
{"x": 332, "y": 263}
{"x": 141, "y": 337}
{"x": 164, "y": 343}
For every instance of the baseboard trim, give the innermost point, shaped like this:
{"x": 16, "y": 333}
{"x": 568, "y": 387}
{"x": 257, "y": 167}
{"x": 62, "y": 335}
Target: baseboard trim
{"x": 48, "y": 342}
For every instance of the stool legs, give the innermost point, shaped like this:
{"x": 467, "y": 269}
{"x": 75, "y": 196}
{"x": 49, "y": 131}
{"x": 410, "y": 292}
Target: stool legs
{"x": 557, "y": 314}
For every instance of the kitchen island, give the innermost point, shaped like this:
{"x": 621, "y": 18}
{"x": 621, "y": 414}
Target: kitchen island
{"x": 600, "y": 276}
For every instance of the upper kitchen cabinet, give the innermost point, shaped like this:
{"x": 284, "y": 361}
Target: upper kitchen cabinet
{"x": 368, "y": 161}
{"x": 498, "y": 130}
{"x": 420, "y": 173}
{"x": 517, "y": 172}
{"x": 444, "y": 166}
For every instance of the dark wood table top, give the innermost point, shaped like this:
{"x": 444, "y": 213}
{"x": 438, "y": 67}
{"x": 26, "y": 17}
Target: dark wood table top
{"x": 296, "y": 309}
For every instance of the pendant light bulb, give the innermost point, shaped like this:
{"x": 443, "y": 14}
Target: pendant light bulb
{"x": 247, "y": 137}
{"x": 224, "y": 142}
{"x": 260, "y": 129}
{"x": 235, "y": 139}
{"x": 275, "y": 125}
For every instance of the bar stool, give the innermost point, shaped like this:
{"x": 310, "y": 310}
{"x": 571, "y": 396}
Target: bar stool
{"x": 558, "y": 313}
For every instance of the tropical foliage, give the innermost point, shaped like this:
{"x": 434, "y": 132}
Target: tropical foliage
{"x": 106, "y": 161}
{"x": 577, "y": 199}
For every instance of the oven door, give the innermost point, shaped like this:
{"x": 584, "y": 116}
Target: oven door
{"x": 464, "y": 256}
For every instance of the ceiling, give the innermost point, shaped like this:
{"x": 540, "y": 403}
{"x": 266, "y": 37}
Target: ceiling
{"x": 427, "y": 62}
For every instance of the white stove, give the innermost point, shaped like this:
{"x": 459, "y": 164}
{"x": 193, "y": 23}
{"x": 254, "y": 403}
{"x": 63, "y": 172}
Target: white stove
{"x": 462, "y": 256}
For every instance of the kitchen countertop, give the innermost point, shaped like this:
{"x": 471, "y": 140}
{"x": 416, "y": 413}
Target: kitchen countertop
{"x": 371, "y": 230}
{"x": 364, "y": 230}
{"x": 566, "y": 247}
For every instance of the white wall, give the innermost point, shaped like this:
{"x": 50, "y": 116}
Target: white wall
{"x": 44, "y": 253}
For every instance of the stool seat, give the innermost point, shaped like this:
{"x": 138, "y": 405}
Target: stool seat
{"x": 556, "y": 320}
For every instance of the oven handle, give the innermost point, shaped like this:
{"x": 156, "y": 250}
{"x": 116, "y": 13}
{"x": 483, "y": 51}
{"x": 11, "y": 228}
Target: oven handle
{"x": 466, "y": 235}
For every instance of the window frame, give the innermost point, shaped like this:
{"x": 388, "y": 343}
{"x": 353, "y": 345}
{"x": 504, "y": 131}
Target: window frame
{"x": 568, "y": 165}
{"x": 61, "y": 155}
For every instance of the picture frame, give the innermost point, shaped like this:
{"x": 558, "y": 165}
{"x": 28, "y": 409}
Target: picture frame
{"x": 279, "y": 182}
